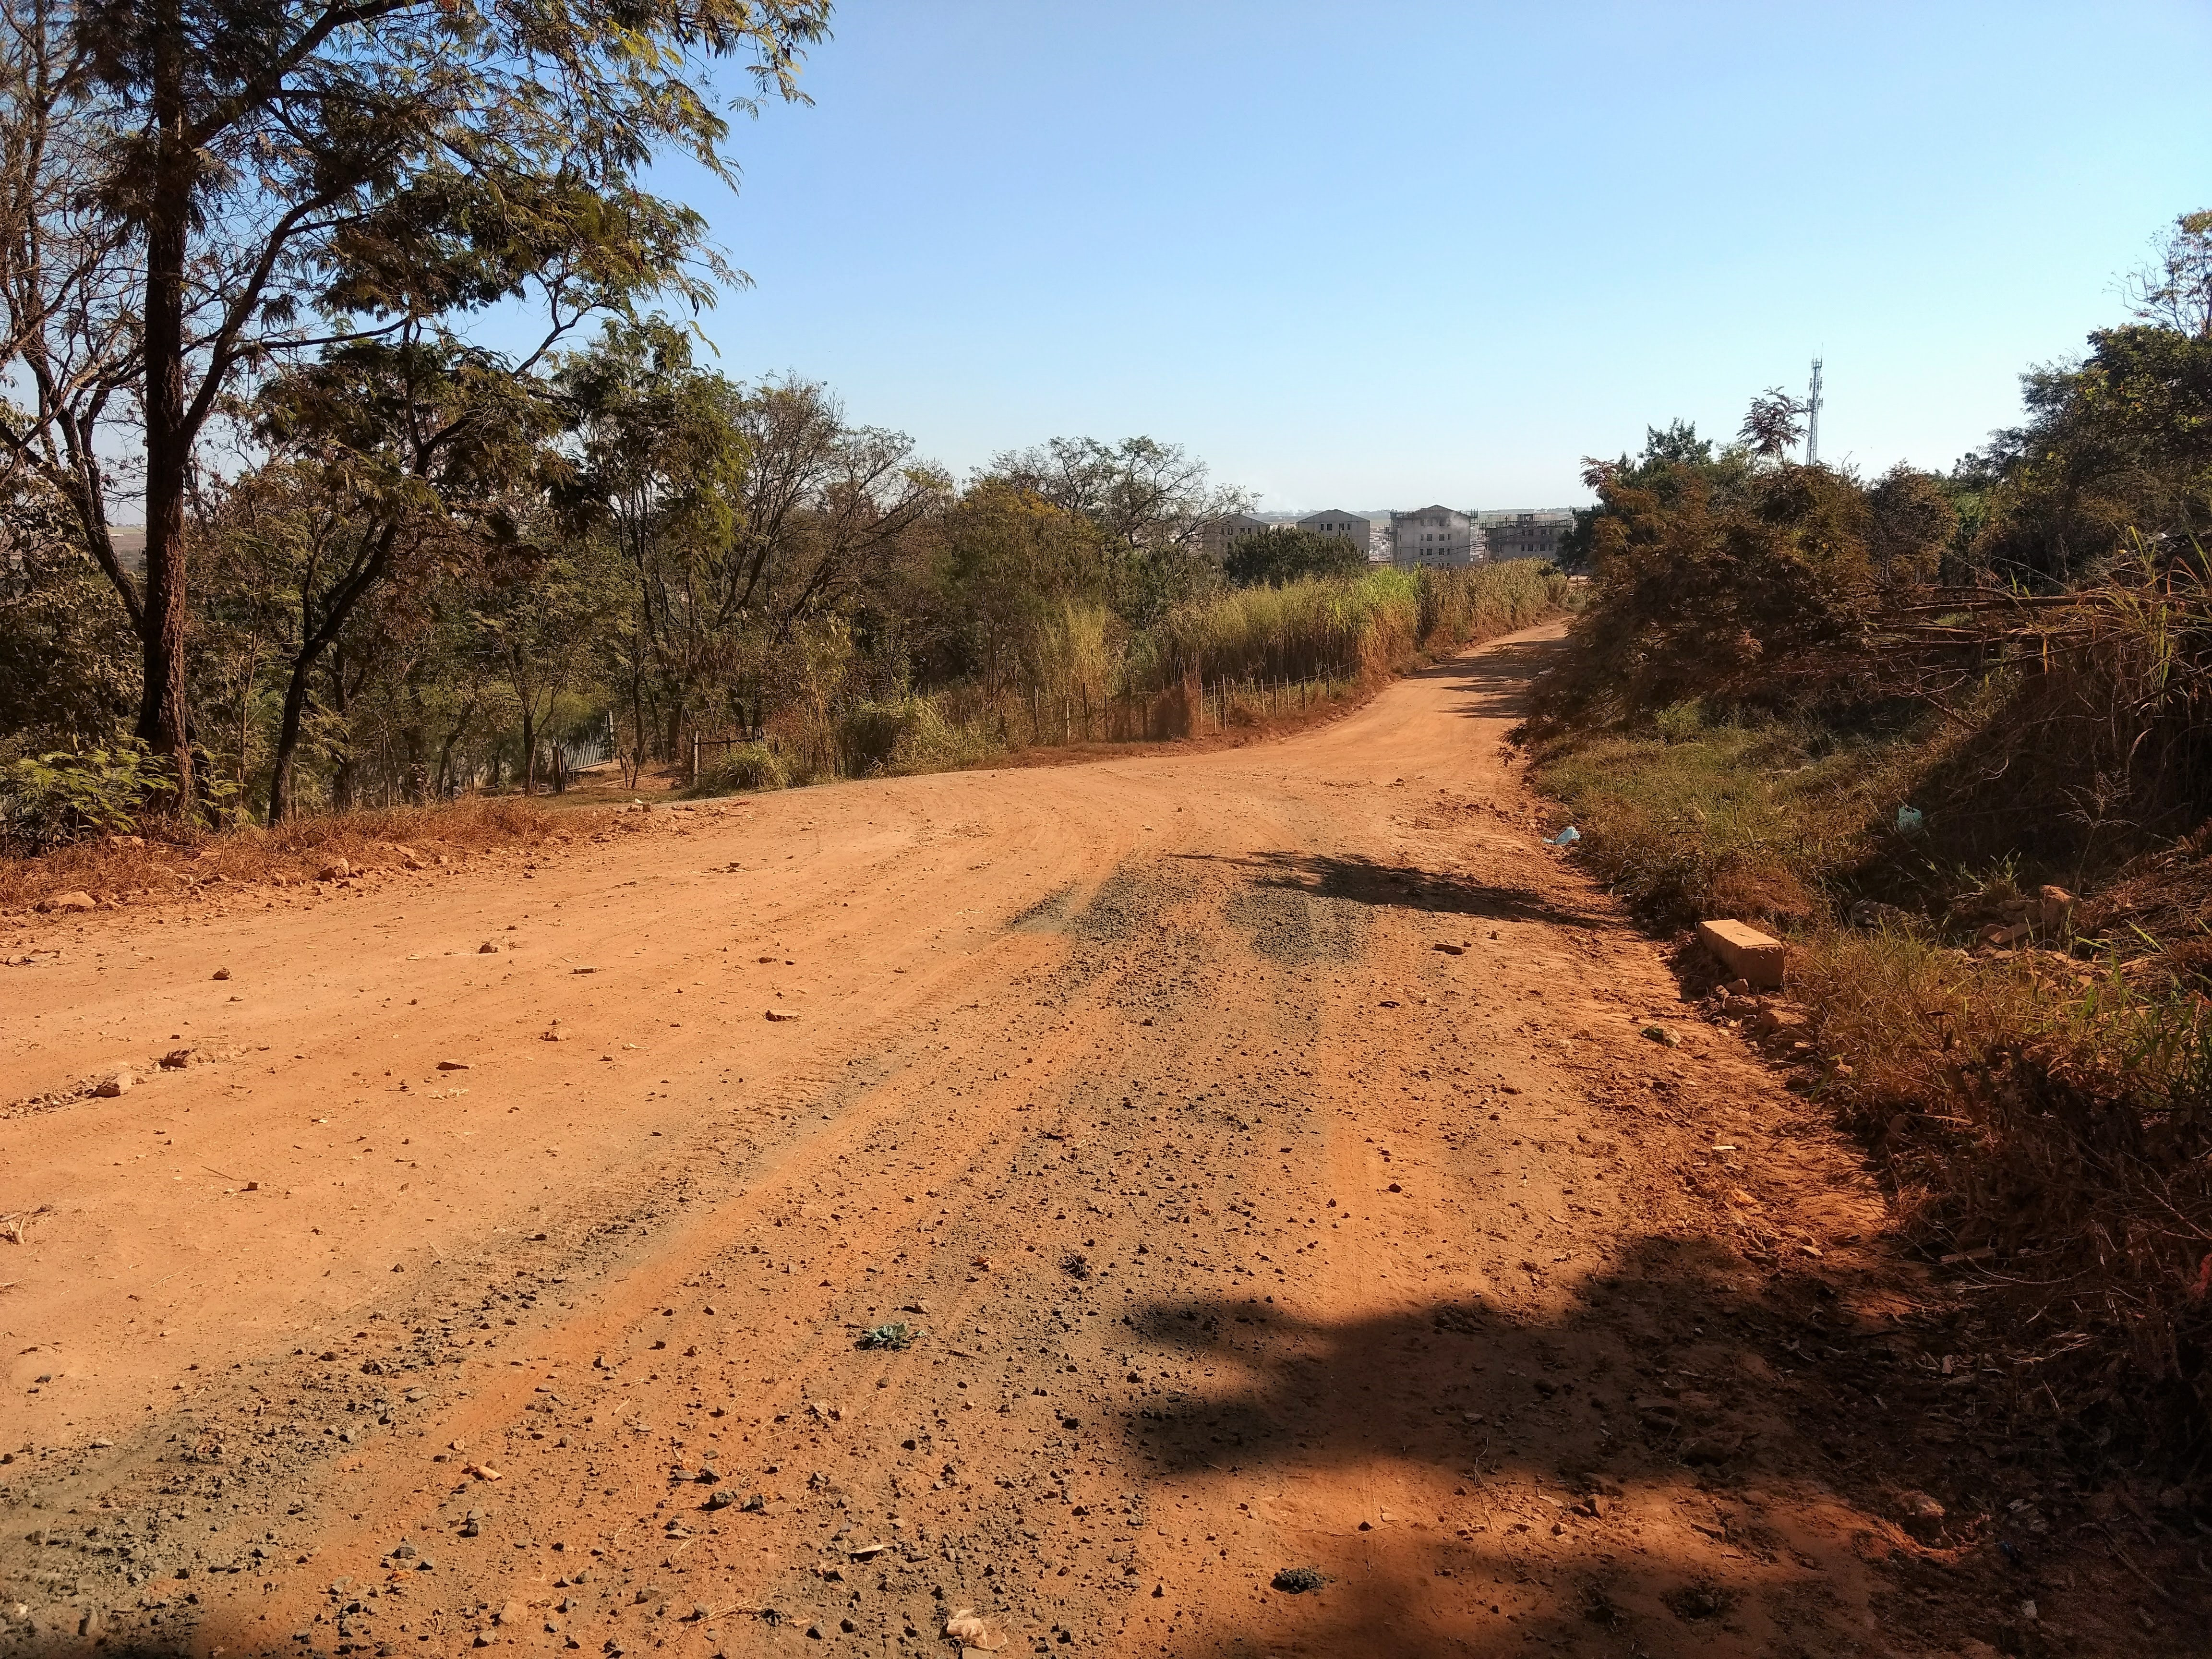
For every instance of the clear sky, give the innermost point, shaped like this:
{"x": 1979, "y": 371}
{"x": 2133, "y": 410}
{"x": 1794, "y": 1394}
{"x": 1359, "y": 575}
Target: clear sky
{"x": 1397, "y": 253}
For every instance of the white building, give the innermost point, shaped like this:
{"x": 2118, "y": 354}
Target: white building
{"x": 1359, "y": 532}
{"x": 1433, "y": 537}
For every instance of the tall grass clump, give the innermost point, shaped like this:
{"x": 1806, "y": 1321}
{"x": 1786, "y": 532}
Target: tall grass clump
{"x": 1321, "y": 628}
{"x": 1461, "y": 607}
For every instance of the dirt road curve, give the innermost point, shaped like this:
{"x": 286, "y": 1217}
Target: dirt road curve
{"x": 1257, "y": 1147}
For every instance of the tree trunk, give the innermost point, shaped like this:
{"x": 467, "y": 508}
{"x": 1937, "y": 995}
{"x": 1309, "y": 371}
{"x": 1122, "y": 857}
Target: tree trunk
{"x": 529, "y": 746}
{"x": 344, "y": 774}
{"x": 288, "y": 742}
{"x": 164, "y": 721}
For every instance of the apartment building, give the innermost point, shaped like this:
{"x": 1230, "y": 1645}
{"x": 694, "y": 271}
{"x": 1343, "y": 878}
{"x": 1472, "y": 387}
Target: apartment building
{"x": 1433, "y": 537}
{"x": 1516, "y": 535}
{"x": 1215, "y": 534}
{"x": 1359, "y": 532}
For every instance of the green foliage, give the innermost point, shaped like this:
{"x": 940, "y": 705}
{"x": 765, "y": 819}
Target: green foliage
{"x": 1680, "y": 723}
{"x": 67, "y": 660}
{"x": 2120, "y": 445}
{"x": 1276, "y": 557}
{"x": 63, "y": 797}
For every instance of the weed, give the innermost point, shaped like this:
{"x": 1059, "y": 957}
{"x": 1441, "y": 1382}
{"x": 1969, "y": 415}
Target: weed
{"x": 896, "y": 1338}
{"x": 746, "y": 767}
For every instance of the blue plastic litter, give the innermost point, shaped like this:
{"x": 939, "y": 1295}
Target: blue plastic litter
{"x": 1909, "y": 820}
{"x": 1567, "y": 837}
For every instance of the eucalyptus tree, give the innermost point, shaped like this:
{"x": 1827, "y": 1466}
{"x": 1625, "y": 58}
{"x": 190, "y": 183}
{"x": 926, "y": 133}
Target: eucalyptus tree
{"x": 202, "y": 191}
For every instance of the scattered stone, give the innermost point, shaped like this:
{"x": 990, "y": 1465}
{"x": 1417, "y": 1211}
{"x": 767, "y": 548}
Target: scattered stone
{"x": 1294, "y": 1581}
{"x": 336, "y": 870}
{"x": 120, "y": 1083}
{"x": 1923, "y": 1516}
{"x": 513, "y": 1613}
{"x": 176, "y": 1060}
{"x": 1712, "y": 1448}
{"x": 780, "y": 1015}
{"x": 972, "y": 1629}
{"x": 487, "y": 949}
{"x": 72, "y": 902}
{"x": 1450, "y": 950}
{"x": 2054, "y": 907}
{"x": 222, "y": 972}
{"x": 453, "y": 1066}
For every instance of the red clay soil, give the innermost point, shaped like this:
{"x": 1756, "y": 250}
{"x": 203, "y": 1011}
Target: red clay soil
{"x": 1214, "y": 1203}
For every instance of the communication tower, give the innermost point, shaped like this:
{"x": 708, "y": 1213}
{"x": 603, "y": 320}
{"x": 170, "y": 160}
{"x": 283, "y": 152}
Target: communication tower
{"x": 1813, "y": 418}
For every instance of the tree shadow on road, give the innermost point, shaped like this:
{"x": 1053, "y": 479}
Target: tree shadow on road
{"x": 1496, "y": 679}
{"x": 1368, "y": 881}
{"x": 1500, "y": 1446}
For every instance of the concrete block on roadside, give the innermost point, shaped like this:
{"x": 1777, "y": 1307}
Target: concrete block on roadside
{"x": 1744, "y": 951}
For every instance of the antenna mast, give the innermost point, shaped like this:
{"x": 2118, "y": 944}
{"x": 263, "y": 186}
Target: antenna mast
{"x": 1813, "y": 418}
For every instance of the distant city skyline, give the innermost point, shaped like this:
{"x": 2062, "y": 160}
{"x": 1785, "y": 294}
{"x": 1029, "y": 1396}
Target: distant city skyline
{"x": 1001, "y": 223}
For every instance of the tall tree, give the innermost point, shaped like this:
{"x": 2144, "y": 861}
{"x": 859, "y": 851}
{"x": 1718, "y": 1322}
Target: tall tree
{"x": 2175, "y": 291}
{"x": 280, "y": 178}
{"x": 398, "y": 461}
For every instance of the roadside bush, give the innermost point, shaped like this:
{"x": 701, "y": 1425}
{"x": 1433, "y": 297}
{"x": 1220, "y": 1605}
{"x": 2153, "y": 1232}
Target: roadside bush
{"x": 746, "y": 766}
{"x": 932, "y": 742}
{"x": 60, "y": 797}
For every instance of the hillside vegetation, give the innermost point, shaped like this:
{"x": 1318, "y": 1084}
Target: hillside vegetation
{"x": 1949, "y": 734}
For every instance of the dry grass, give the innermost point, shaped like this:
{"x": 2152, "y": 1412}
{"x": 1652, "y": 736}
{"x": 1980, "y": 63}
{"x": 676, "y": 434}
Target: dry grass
{"x": 2043, "y": 1114}
{"x": 2047, "y": 1123}
{"x": 1755, "y": 822}
{"x": 295, "y": 852}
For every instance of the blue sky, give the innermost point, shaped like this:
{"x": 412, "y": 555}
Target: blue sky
{"x": 1397, "y": 253}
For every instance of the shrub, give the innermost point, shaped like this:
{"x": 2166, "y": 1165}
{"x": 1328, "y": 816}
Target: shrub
{"x": 747, "y": 766}
{"x": 932, "y": 742}
{"x": 61, "y": 798}
{"x": 1680, "y": 723}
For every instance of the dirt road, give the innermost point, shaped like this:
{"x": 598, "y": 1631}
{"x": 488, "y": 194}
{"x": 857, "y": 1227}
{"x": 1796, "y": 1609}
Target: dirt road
{"x": 1243, "y": 1163}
